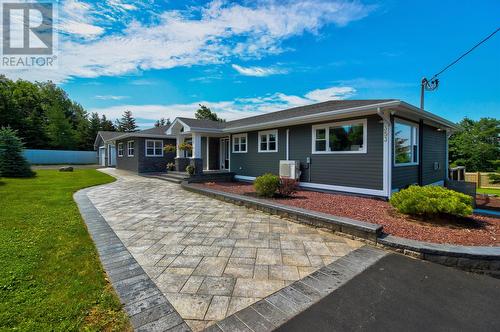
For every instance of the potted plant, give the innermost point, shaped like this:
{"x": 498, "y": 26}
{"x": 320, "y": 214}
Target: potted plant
{"x": 169, "y": 148}
{"x": 190, "y": 169}
{"x": 185, "y": 146}
{"x": 171, "y": 167}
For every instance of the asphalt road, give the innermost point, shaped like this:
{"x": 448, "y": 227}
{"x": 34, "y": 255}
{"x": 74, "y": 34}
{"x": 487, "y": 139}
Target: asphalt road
{"x": 403, "y": 294}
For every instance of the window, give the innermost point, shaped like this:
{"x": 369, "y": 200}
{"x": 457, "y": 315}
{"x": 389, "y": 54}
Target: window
{"x": 154, "y": 148}
{"x": 340, "y": 137}
{"x": 268, "y": 141}
{"x": 130, "y": 148}
{"x": 240, "y": 143}
{"x": 188, "y": 153}
{"x": 120, "y": 149}
{"x": 405, "y": 143}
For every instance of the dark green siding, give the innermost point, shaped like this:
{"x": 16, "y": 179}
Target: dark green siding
{"x": 351, "y": 170}
{"x": 434, "y": 151}
{"x": 254, "y": 163}
{"x": 139, "y": 162}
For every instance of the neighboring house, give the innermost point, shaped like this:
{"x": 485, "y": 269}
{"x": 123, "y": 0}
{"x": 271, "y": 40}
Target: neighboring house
{"x": 106, "y": 150}
{"x": 143, "y": 151}
{"x": 371, "y": 147}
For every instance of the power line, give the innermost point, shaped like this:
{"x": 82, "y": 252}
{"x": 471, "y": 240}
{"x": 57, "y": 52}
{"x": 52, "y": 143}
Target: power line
{"x": 463, "y": 55}
{"x": 433, "y": 83}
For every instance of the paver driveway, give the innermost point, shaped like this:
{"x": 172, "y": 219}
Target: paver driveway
{"x": 210, "y": 258}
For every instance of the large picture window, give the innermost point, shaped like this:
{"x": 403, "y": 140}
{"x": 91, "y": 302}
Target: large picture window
{"x": 120, "y": 149}
{"x": 268, "y": 141}
{"x": 154, "y": 148}
{"x": 240, "y": 143}
{"x": 340, "y": 137}
{"x": 405, "y": 143}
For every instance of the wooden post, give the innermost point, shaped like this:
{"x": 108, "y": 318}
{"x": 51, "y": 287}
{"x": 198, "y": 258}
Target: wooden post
{"x": 478, "y": 180}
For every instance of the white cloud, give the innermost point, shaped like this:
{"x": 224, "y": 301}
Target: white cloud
{"x": 229, "y": 110}
{"x": 110, "y": 97}
{"x": 212, "y": 34}
{"x": 258, "y": 71}
{"x": 334, "y": 93}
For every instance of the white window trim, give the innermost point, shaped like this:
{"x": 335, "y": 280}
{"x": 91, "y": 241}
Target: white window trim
{"x": 409, "y": 123}
{"x": 128, "y": 149}
{"x": 120, "y": 150}
{"x": 154, "y": 148}
{"x": 239, "y": 136}
{"x": 268, "y": 132}
{"x": 327, "y": 126}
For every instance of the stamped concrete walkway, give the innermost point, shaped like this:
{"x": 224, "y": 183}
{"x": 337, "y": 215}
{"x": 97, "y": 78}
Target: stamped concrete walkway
{"x": 210, "y": 258}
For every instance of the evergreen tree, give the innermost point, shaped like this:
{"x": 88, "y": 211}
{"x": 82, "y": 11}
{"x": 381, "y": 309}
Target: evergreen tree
{"x": 12, "y": 162}
{"x": 476, "y": 144}
{"x": 59, "y": 130}
{"x": 106, "y": 124}
{"x": 204, "y": 113}
{"x": 126, "y": 123}
{"x": 162, "y": 122}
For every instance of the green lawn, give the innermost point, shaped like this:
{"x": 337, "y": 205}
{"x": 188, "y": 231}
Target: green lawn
{"x": 488, "y": 191}
{"x": 50, "y": 274}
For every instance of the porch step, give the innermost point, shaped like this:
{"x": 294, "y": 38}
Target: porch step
{"x": 175, "y": 177}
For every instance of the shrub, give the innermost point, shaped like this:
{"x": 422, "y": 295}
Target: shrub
{"x": 169, "y": 148}
{"x": 432, "y": 201}
{"x": 266, "y": 185}
{"x": 288, "y": 186}
{"x": 12, "y": 162}
{"x": 190, "y": 169}
{"x": 171, "y": 166}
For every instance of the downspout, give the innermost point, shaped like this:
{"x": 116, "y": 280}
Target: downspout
{"x": 447, "y": 166}
{"x": 420, "y": 153}
{"x": 387, "y": 151}
{"x": 288, "y": 144}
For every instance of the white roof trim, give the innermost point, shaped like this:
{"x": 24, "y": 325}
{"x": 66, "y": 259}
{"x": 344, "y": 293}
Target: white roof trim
{"x": 177, "y": 120}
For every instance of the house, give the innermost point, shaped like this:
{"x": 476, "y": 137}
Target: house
{"x": 369, "y": 147}
{"x": 143, "y": 151}
{"x": 106, "y": 151}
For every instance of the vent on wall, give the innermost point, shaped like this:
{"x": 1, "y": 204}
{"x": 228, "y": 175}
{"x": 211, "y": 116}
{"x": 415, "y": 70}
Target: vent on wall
{"x": 290, "y": 169}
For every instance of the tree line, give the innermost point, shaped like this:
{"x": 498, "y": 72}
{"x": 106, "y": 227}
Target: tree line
{"x": 44, "y": 117}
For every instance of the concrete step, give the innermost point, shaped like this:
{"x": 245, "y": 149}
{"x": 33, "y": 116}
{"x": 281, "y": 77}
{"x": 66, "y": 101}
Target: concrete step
{"x": 166, "y": 177}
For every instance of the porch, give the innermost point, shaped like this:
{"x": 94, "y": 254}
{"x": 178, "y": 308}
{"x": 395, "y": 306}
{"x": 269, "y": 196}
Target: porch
{"x": 208, "y": 152}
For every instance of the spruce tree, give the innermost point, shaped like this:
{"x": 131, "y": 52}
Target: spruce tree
{"x": 127, "y": 122}
{"x": 12, "y": 162}
{"x": 107, "y": 125}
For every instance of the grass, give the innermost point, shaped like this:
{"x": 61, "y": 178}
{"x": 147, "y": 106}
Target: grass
{"x": 488, "y": 191}
{"x": 50, "y": 275}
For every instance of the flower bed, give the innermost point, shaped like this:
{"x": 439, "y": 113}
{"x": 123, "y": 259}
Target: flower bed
{"x": 476, "y": 230}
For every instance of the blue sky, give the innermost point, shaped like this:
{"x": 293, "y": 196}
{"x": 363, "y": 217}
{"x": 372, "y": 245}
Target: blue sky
{"x": 160, "y": 59}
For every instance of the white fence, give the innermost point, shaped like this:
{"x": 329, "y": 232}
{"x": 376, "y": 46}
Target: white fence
{"x": 52, "y": 157}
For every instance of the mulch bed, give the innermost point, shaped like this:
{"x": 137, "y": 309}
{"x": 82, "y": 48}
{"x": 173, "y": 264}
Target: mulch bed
{"x": 474, "y": 231}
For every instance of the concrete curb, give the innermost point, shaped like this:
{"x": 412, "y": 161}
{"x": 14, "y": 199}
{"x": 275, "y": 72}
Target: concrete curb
{"x": 484, "y": 260}
{"x": 148, "y": 308}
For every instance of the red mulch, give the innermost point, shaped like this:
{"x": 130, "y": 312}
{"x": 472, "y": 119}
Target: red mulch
{"x": 475, "y": 230}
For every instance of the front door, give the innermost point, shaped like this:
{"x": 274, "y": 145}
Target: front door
{"x": 224, "y": 153}
{"x": 102, "y": 156}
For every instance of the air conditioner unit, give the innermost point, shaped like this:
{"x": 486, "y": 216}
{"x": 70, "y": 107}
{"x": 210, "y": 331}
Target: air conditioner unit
{"x": 290, "y": 169}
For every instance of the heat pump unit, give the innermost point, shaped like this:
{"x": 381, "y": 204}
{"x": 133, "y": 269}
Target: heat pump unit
{"x": 290, "y": 169}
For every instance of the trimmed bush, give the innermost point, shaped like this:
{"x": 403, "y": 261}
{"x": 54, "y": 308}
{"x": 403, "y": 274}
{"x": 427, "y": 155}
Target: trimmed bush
{"x": 266, "y": 185}
{"x": 190, "y": 169}
{"x": 432, "y": 201}
{"x": 288, "y": 186}
{"x": 12, "y": 162}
